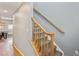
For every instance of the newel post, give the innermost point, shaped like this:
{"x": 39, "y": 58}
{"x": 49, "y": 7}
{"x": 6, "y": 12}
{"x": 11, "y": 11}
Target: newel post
{"x": 51, "y": 44}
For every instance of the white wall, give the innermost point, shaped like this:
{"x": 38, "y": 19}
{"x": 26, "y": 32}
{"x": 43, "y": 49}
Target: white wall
{"x": 66, "y": 15}
{"x": 23, "y": 29}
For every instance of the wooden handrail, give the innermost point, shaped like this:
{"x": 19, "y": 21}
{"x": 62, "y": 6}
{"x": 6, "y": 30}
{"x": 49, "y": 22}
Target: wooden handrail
{"x": 33, "y": 18}
{"x": 47, "y": 19}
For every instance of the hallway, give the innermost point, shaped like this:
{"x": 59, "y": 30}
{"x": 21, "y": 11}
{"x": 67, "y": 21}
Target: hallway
{"x": 6, "y": 48}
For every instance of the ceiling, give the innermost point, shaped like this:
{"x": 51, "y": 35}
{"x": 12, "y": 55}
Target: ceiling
{"x": 8, "y": 8}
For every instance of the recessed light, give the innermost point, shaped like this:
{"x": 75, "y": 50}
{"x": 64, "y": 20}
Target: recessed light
{"x": 5, "y": 11}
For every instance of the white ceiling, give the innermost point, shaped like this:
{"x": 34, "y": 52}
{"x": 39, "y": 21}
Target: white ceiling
{"x": 10, "y": 6}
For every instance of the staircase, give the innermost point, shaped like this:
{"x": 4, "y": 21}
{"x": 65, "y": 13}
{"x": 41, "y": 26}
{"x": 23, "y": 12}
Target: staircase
{"x": 43, "y": 42}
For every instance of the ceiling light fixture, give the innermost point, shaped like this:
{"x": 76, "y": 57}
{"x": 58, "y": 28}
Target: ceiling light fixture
{"x": 5, "y": 11}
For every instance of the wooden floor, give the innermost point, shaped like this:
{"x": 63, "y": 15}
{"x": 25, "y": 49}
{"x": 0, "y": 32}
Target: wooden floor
{"x": 7, "y": 48}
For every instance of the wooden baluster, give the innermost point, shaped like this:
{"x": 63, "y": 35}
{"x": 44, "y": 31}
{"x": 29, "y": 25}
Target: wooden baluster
{"x": 32, "y": 31}
{"x": 42, "y": 45}
{"x": 52, "y": 44}
{"x": 46, "y": 45}
{"x": 33, "y": 35}
{"x": 36, "y": 34}
{"x": 39, "y": 41}
{"x": 36, "y": 37}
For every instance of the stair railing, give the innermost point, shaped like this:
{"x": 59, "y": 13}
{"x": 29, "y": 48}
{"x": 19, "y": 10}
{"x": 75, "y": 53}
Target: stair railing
{"x": 42, "y": 41}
